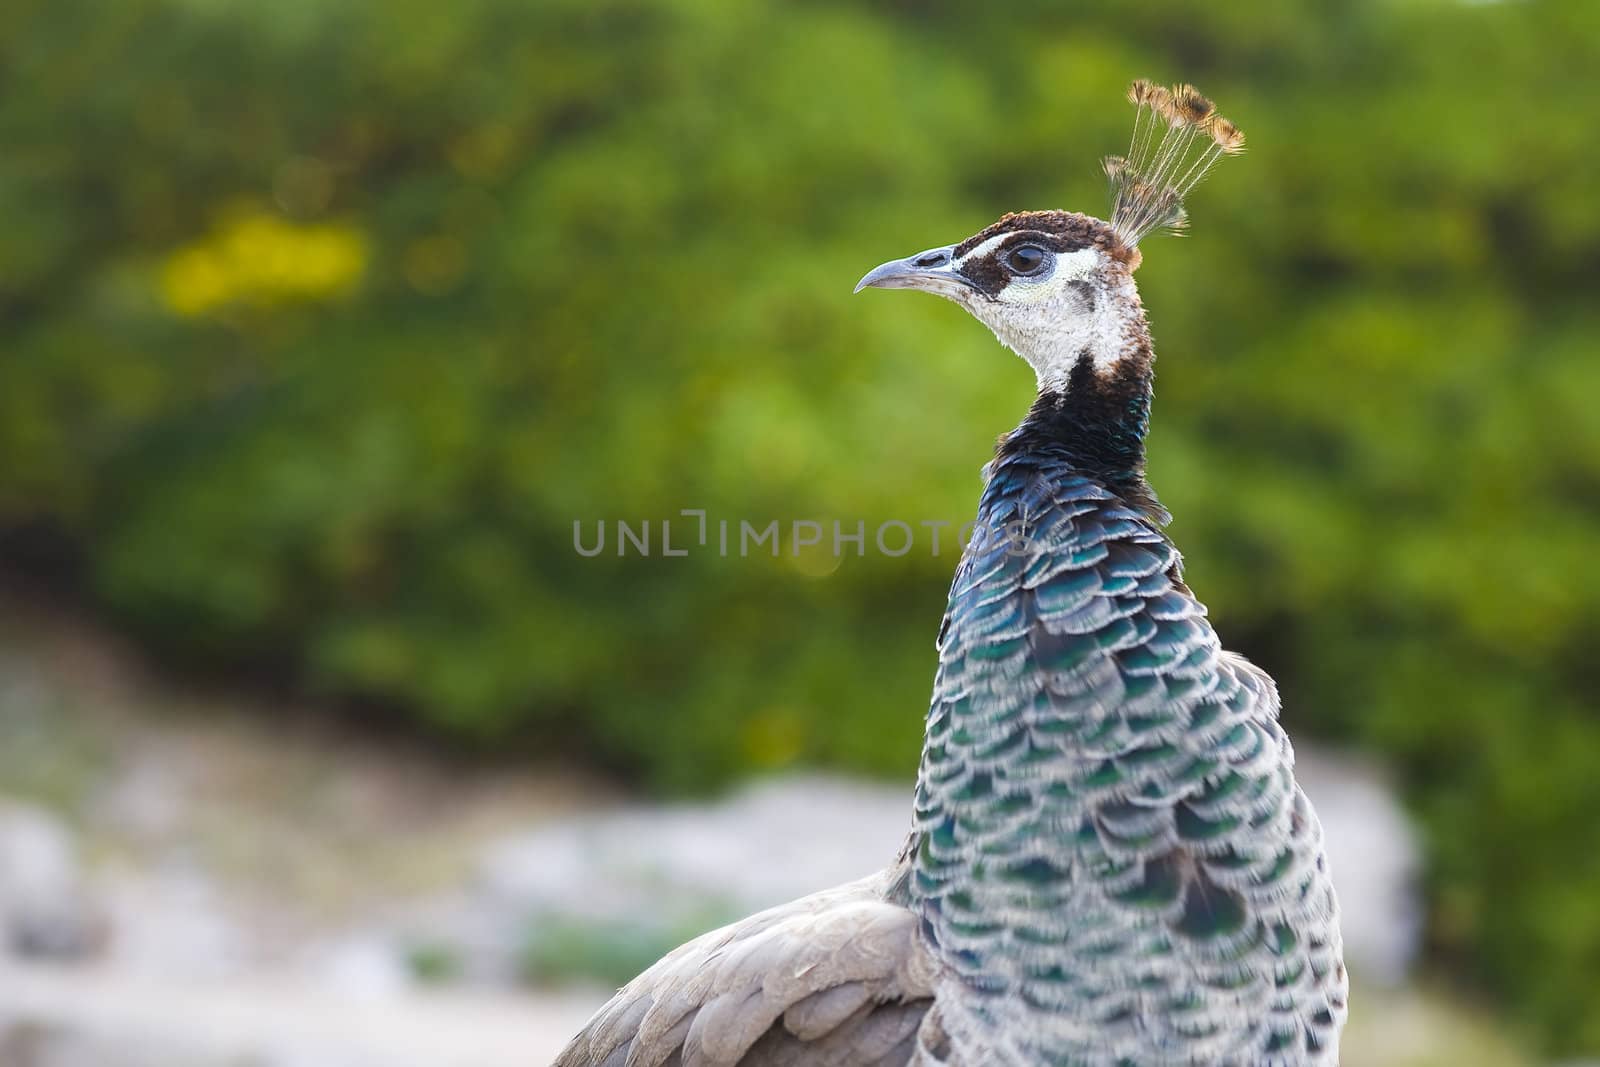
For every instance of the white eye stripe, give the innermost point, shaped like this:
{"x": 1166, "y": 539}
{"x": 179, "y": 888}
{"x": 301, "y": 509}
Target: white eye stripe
{"x": 978, "y": 252}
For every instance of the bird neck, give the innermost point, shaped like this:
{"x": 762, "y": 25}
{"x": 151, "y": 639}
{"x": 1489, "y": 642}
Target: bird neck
{"x": 1095, "y": 417}
{"x": 1044, "y": 721}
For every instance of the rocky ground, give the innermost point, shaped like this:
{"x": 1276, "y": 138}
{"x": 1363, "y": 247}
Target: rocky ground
{"x": 192, "y": 878}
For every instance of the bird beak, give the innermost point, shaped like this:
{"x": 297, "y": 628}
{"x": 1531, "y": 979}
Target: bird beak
{"x": 932, "y": 271}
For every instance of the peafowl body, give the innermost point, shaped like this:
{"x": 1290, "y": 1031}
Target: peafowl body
{"x": 1110, "y": 863}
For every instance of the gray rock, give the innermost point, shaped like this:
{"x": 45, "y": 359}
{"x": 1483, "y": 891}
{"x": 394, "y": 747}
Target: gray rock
{"x": 174, "y": 921}
{"x": 1376, "y": 863}
{"x": 44, "y": 909}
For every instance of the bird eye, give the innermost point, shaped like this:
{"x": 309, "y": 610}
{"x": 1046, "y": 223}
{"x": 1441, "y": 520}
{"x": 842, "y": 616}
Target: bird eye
{"x": 1026, "y": 259}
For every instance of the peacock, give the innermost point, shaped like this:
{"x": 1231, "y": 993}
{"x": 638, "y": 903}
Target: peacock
{"x": 1110, "y": 862}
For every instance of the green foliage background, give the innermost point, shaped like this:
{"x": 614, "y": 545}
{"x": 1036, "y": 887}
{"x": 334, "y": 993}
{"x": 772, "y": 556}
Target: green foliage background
{"x": 323, "y": 322}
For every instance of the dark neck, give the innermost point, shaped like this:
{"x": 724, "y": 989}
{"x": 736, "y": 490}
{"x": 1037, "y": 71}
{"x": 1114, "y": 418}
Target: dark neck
{"x": 1097, "y": 423}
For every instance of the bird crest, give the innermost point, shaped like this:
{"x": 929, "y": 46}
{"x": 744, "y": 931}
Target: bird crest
{"x": 1178, "y": 135}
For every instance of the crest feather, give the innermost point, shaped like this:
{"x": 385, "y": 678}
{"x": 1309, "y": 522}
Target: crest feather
{"x": 1178, "y": 135}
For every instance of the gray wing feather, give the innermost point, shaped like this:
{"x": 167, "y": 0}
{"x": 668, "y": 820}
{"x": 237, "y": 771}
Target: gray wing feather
{"x": 874, "y": 1034}
{"x": 817, "y": 1015}
{"x": 841, "y": 977}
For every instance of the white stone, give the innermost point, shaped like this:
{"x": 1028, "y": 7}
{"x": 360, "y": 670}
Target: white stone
{"x": 44, "y": 910}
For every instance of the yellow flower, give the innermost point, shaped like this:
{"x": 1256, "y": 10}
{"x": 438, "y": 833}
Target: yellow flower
{"x": 256, "y": 257}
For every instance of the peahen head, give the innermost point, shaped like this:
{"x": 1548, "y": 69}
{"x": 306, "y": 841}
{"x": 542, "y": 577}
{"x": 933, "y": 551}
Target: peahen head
{"x": 1057, "y": 287}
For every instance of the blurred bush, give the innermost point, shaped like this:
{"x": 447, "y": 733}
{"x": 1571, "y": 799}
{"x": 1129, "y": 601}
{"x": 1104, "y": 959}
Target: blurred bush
{"x": 323, "y": 323}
